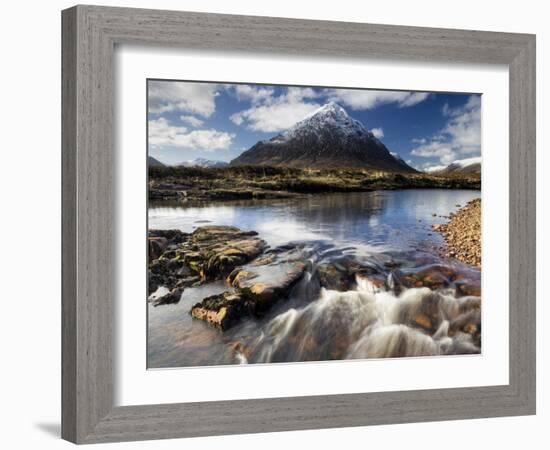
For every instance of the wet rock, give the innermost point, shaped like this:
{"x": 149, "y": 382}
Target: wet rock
{"x": 468, "y": 323}
{"x": 157, "y": 245}
{"x": 275, "y": 285}
{"x": 222, "y": 310}
{"x": 166, "y": 272}
{"x": 217, "y": 250}
{"x": 210, "y": 253}
{"x": 160, "y": 240}
{"x": 435, "y": 276}
{"x": 465, "y": 288}
{"x": 470, "y": 304}
{"x": 171, "y": 297}
{"x": 335, "y": 277}
{"x": 255, "y": 293}
{"x": 370, "y": 283}
{"x": 425, "y": 314}
{"x": 239, "y": 276}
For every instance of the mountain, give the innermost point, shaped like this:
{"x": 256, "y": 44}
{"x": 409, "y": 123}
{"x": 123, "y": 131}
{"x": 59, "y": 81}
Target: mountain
{"x": 153, "y": 162}
{"x": 327, "y": 138}
{"x": 202, "y": 162}
{"x": 469, "y": 165}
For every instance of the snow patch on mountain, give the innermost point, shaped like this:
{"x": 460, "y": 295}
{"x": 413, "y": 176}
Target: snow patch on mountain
{"x": 203, "y": 162}
{"x": 462, "y": 163}
{"x": 330, "y": 115}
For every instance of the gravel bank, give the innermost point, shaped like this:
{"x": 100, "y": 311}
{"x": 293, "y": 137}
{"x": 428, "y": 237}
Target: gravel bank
{"x": 463, "y": 234}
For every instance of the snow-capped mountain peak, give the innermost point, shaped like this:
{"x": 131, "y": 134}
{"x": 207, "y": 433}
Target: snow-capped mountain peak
{"x": 328, "y": 137}
{"x": 331, "y": 116}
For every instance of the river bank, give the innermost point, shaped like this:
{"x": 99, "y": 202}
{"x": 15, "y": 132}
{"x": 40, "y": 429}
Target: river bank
{"x": 462, "y": 234}
{"x": 193, "y": 184}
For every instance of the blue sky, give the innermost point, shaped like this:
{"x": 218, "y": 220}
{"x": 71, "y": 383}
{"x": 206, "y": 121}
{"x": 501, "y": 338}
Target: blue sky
{"x": 189, "y": 120}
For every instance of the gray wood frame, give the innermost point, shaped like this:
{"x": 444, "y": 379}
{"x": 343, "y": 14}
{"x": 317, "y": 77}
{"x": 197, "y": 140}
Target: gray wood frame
{"x": 89, "y": 36}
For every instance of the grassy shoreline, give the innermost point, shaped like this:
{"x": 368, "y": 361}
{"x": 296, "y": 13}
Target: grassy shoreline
{"x": 256, "y": 182}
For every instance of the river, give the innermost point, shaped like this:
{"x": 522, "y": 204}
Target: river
{"x": 384, "y": 228}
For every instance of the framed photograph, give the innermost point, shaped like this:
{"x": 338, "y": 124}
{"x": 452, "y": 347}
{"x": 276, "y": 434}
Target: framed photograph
{"x": 268, "y": 222}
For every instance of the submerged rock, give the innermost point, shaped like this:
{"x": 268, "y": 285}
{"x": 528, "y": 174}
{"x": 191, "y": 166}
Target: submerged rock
{"x": 335, "y": 277}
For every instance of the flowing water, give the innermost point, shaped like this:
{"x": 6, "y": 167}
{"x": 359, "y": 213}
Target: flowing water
{"x": 384, "y": 229}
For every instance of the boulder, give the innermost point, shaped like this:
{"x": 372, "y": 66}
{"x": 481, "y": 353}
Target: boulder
{"x": 335, "y": 277}
{"x": 172, "y": 296}
{"x": 157, "y": 245}
{"x": 160, "y": 240}
{"x": 222, "y": 310}
{"x": 255, "y": 292}
{"x": 209, "y": 253}
{"x": 216, "y": 250}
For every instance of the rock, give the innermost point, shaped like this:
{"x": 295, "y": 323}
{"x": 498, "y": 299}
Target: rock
{"x": 180, "y": 260}
{"x": 239, "y": 276}
{"x": 166, "y": 272}
{"x": 462, "y": 234}
{"x": 160, "y": 240}
{"x": 222, "y": 310}
{"x": 468, "y": 323}
{"x": 255, "y": 293}
{"x": 157, "y": 245}
{"x": 335, "y": 277}
{"x": 171, "y": 297}
{"x": 217, "y": 250}
{"x": 274, "y": 284}
{"x": 370, "y": 283}
{"x": 434, "y": 276}
{"x": 464, "y": 288}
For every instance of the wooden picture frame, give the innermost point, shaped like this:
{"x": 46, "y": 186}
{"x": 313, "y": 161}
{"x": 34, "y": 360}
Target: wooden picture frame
{"x": 90, "y": 34}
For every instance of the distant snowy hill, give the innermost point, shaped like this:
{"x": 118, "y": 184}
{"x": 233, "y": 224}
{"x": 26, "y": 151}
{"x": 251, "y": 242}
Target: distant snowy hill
{"x": 328, "y": 138}
{"x": 469, "y": 165}
{"x": 203, "y": 162}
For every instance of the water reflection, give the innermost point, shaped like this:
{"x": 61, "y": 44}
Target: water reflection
{"x": 388, "y": 220}
{"x": 376, "y": 225}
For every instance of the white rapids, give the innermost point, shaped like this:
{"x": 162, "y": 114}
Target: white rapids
{"x": 368, "y": 323}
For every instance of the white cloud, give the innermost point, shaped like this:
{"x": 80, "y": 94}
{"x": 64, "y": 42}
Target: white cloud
{"x": 431, "y": 169}
{"x": 468, "y": 161}
{"x": 436, "y": 149}
{"x": 461, "y": 135}
{"x": 255, "y": 94}
{"x": 363, "y": 99}
{"x": 164, "y": 135}
{"x": 460, "y": 162}
{"x": 279, "y": 113}
{"x": 192, "y": 120}
{"x": 378, "y": 132}
{"x": 419, "y": 141}
{"x": 196, "y": 98}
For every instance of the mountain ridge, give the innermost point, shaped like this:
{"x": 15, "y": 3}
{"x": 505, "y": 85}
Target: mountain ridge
{"x": 203, "y": 162}
{"x": 327, "y": 138}
{"x": 463, "y": 166}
